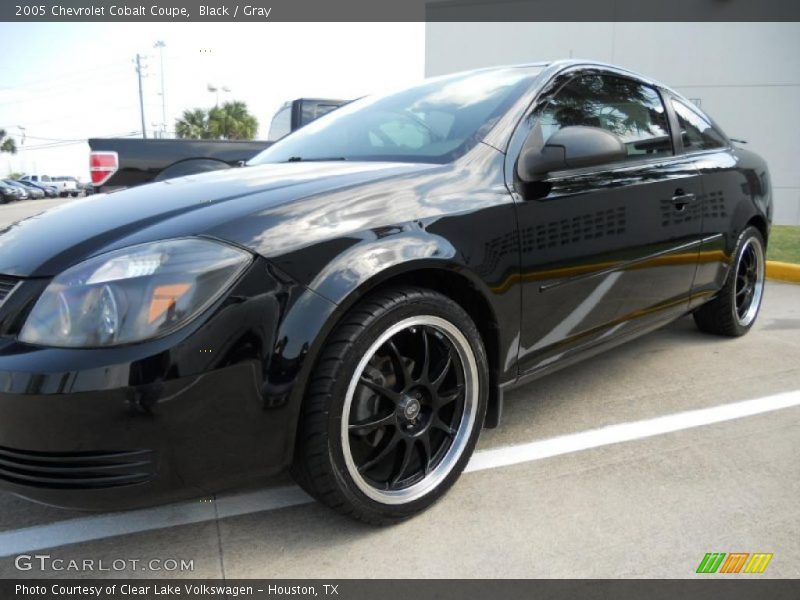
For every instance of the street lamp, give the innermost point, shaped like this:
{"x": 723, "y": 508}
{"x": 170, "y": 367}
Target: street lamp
{"x": 216, "y": 90}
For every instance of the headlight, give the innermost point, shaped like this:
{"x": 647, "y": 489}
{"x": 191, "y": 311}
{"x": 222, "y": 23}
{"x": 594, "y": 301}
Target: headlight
{"x": 133, "y": 294}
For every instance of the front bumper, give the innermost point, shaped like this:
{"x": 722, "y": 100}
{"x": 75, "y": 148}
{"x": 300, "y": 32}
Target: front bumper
{"x": 133, "y": 446}
{"x": 177, "y": 417}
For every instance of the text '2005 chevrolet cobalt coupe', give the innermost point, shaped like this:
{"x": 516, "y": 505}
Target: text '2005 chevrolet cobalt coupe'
{"x": 354, "y": 302}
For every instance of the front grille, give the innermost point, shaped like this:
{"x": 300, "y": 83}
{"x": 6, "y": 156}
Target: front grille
{"x": 6, "y": 285}
{"x": 76, "y": 470}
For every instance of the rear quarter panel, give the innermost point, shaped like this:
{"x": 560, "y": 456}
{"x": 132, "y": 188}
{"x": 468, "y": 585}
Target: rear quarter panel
{"x": 736, "y": 192}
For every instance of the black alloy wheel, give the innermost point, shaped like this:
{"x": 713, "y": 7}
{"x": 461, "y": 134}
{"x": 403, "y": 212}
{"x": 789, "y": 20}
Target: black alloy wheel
{"x": 394, "y": 408}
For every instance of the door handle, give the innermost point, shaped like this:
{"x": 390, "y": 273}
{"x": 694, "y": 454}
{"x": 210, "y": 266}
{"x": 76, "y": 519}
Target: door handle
{"x": 681, "y": 199}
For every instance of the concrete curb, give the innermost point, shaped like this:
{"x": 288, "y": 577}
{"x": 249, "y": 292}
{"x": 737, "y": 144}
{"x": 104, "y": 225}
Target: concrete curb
{"x": 783, "y": 271}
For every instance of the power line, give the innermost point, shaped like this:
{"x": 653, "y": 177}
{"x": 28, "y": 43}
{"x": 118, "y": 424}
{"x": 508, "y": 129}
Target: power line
{"x": 63, "y": 76}
{"x": 57, "y": 91}
{"x": 46, "y": 139}
{"x": 80, "y": 141}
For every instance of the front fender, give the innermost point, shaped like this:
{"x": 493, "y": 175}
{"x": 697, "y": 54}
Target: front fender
{"x": 371, "y": 261}
{"x": 364, "y": 265}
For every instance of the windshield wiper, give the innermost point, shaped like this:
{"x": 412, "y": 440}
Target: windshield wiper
{"x": 301, "y": 159}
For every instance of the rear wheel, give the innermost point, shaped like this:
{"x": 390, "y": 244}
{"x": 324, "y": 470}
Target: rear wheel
{"x": 736, "y": 307}
{"x": 394, "y": 407}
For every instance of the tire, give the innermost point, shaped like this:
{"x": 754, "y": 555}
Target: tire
{"x": 734, "y": 310}
{"x": 371, "y": 373}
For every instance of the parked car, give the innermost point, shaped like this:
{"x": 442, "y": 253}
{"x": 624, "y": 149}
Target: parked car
{"x": 87, "y": 188}
{"x": 21, "y": 191}
{"x": 47, "y": 190}
{"x": 66, "y": 186}
{"x": 7, "y": 193}
{"x": 117, "y": 163}
{"x": 356, "y": 301}
{"x": 34, "y": 191}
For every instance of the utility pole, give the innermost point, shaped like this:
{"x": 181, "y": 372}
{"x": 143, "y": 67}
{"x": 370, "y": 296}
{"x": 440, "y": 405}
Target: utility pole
{"x": 141, "y": 94}
{"x": 22, "y": 148}
{"x": 160, "y": 45}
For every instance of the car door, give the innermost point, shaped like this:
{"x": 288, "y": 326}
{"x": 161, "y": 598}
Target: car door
{"x": 609, "y": 249}
{"x": 725, "y": 182}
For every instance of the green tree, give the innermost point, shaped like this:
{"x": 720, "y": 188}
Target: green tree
{"x": 193, "y": 125}
{"x": 232, "y": 121}
{"x": 7, "y": 144}
{"x": 14, "y": 175}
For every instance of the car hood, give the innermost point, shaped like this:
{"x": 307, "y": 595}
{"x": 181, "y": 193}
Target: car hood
{"x": 231, "y": 204}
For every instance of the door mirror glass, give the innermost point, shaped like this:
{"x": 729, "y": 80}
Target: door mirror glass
{"x": 572, "y": 147}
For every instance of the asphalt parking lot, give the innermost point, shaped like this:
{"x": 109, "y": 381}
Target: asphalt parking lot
{"x": 14, "y": 211}
{"x": 635, "y": 463}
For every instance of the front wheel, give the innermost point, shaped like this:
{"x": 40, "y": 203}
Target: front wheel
{"x": 394, "y": 406}
{"x": 735, "y": 308}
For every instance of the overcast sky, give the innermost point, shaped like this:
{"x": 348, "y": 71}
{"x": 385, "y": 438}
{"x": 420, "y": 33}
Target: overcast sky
{"x": 63, "y": 81}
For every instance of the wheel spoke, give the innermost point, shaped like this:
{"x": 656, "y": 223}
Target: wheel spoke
{"x": 424, "y": 374}
{"x": 408, "y": 452}
{"x": 400, "y": 364}
{"x": 439, "y": 379}
{"x": 442, "y": 426}
{"x": 374, "y": 422}
{"x": 425, "y": 443}
{"x": 381, "y": 390}
{"x": 382, "y": 454}
{"x": 442, "y": 400}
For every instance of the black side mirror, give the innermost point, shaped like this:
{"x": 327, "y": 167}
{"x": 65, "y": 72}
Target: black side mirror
{"x": 571, "y": 147}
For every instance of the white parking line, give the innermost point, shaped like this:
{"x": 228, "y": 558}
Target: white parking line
{"x": 627, "y": 432}
{"x": 98, "y": 527}
{"x": 91, "y": 528}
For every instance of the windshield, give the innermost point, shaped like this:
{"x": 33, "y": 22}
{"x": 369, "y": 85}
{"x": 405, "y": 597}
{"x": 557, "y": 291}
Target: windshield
{"x": 436, "y": 121}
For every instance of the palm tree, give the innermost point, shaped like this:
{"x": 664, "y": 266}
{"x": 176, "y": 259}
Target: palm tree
{"x": 7, "y": 144}
{"x": 194, "y": 124}
{"x": 232, "y": 121}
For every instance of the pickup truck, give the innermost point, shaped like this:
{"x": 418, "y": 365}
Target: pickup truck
{"x": 118, "y": 163}
{"x": 65, "y": 186}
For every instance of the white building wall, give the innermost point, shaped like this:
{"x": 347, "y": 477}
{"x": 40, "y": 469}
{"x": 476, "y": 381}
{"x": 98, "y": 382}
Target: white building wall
{"x": 746, "y": 75}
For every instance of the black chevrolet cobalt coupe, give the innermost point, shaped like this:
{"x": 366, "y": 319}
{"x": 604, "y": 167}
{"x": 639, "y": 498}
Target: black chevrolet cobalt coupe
{"x": 354, "y": 302}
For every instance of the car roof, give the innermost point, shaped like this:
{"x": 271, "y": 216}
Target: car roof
{"x": 578, "y": 62}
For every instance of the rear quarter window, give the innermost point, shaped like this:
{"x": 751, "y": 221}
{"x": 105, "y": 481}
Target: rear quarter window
{"x": 697, "y": 132}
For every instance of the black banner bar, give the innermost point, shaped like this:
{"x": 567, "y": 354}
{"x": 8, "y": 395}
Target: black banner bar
{"x": 398, "y": 10}
{"x": 734, "y": 588}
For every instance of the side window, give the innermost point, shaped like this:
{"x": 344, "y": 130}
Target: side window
{"x": 312, "y": 110}
{"x": 316, "y": 110}
{"x": 626, "y": 108}
{"x": 281, "y": 124}
{"x": 696, "y": 132}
